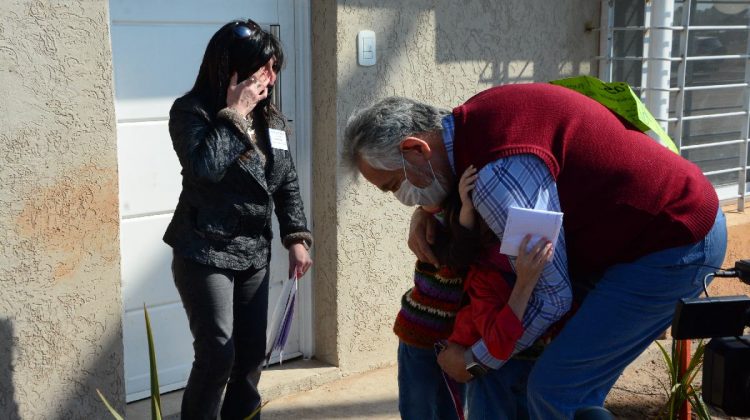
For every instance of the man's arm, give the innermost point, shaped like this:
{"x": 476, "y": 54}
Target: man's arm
{"x": 524, "y": 181}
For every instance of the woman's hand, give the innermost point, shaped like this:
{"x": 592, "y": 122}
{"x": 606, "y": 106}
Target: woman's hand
{"x": 422, "y": 236}
{"x": 299, "y": 260}
{"x": 244, "y": 96}
{"x": 530, "y": 263}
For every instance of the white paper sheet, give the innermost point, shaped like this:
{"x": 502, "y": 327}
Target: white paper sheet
{"x": 537, "y": 223}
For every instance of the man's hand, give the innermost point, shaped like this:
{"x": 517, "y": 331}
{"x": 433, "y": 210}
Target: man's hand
{"x": 451, "y": 360}
{"x": 422, "y": 235}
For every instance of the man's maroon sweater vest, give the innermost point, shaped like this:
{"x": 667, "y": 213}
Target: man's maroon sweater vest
{"x": 622, "y": 194}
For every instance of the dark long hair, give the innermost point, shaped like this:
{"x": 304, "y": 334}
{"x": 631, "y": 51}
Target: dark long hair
{"x": 228, "y": 53}
{"x": 455, "y": 248}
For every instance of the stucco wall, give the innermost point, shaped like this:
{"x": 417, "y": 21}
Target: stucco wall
{"x": 60, "y": 305}
{"x": 437, "y": 51}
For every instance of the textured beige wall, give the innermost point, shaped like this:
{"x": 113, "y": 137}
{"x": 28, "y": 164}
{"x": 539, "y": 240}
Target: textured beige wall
{"x": 437, "y": 51}
{"x": 324, "y": 174}
{"x": 60, "y": 304}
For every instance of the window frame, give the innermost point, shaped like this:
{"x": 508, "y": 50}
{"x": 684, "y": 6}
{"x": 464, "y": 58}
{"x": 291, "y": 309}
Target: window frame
{"x": 657, "y": 30}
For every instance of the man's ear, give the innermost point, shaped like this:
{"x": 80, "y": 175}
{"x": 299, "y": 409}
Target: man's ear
{"x": 411, "y": 145}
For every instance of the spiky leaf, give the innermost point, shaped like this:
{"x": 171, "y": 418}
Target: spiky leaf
{"x": 114, "y": 413}
{"x": 155, "y": 398}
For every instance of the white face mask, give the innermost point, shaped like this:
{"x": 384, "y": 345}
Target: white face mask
{"x": 410, "y": 195}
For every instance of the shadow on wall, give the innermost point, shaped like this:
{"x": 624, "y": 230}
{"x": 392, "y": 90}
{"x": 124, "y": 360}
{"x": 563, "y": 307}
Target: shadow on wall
{"x": 8, "y": 406}
{"x": 102, "y": 372}
{"x": 495, "y": 43}
{"x": 530, "y": 41}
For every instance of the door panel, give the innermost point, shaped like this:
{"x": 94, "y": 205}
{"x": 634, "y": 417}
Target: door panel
{"x": 149, "y": 181}
{"x": 147, "y": 280}
{"x": 181, "y": 11}
{"x": 174, "y": 362}
{"x": 146, "y": 263}
{"x": 162, "y": 63}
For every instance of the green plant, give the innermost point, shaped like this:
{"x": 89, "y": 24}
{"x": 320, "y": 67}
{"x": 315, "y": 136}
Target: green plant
{"x": 154, "y": 373}
{"x": 681, "y": 387}
{"x": 256, "y": 411}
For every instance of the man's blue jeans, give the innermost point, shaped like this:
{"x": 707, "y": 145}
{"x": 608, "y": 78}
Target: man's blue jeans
{"x": 630, "y": 306}
{"x": 501, "y": 393}
{"x": 422, "y": 392}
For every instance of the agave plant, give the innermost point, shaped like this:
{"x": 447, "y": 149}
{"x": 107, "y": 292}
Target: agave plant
{"x": 154, "y": 373}
{"x": 155, "y": 398}
{"x": 681, "y": 387}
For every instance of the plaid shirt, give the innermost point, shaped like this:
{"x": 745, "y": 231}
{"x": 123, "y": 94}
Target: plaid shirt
{"x": 522, "y": 181}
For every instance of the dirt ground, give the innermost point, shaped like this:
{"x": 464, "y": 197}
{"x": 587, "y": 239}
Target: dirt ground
{"x": 639, "y": 393}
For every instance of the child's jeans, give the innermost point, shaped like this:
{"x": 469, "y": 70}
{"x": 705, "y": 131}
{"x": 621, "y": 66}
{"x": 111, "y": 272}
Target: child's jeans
{"x": 422, "y": 392}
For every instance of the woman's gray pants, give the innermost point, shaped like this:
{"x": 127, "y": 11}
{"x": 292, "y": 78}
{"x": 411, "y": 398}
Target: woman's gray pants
{"x": 227, "y": 311}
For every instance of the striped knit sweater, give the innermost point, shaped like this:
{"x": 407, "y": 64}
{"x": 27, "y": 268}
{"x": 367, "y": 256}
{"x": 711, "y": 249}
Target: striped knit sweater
{"x": 429, "y": 308}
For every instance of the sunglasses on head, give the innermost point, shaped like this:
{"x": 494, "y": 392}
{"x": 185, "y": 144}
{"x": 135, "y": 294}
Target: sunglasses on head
{"x": 245, "y": 30}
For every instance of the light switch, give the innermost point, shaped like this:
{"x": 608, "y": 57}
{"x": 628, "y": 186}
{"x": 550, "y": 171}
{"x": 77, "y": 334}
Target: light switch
{"x": 366, "y": 48}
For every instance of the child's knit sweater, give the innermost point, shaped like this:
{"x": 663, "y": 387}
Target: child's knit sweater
{"x": 429, "y": 308}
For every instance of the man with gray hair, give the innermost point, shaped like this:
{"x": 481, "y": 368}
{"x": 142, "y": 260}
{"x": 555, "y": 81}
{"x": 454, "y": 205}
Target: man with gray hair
{"x": 641, "y": 224}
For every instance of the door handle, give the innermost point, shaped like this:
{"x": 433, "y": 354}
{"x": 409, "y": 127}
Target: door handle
{"x": 276, "y": 93}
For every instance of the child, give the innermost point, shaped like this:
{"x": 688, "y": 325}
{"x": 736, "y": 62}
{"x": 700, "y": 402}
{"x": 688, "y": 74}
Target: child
{"x": 497, "y": 302}
{"x": 428, "y": 312}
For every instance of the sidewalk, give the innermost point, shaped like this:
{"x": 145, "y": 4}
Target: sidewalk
{"x": 307, "y": 389}
{"x": 302, "y": 390}
{"x": 371, "y": 395}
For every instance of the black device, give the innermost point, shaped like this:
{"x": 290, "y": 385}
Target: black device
{"x": 726, "y": 375}
{"x": 472, "y": 366}
{"x": 710, "y": 317}
{"x": 726, "y": 359}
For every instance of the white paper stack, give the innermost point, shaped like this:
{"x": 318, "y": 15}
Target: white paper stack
{"x": 537, "y": 223}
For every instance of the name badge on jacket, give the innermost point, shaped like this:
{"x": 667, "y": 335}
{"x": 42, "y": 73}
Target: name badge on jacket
{"x": 278, "y": 139}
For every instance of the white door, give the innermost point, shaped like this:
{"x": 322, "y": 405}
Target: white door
{"x": 157, "y": 47}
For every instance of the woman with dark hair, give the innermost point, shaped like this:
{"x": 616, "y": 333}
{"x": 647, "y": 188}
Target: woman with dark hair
{"x": 236, "y": 167}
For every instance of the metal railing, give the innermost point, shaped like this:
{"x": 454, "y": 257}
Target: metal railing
{"x": 649, "y": 86}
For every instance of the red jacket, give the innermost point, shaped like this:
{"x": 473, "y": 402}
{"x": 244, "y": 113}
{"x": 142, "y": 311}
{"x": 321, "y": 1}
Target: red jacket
{"x": 487, "y": 315}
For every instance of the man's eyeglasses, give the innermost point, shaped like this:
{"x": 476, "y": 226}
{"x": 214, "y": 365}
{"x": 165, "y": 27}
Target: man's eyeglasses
{"x": 245, "y": 30}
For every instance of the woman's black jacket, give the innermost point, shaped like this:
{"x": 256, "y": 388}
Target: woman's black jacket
{"x": 231, "y": 181}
